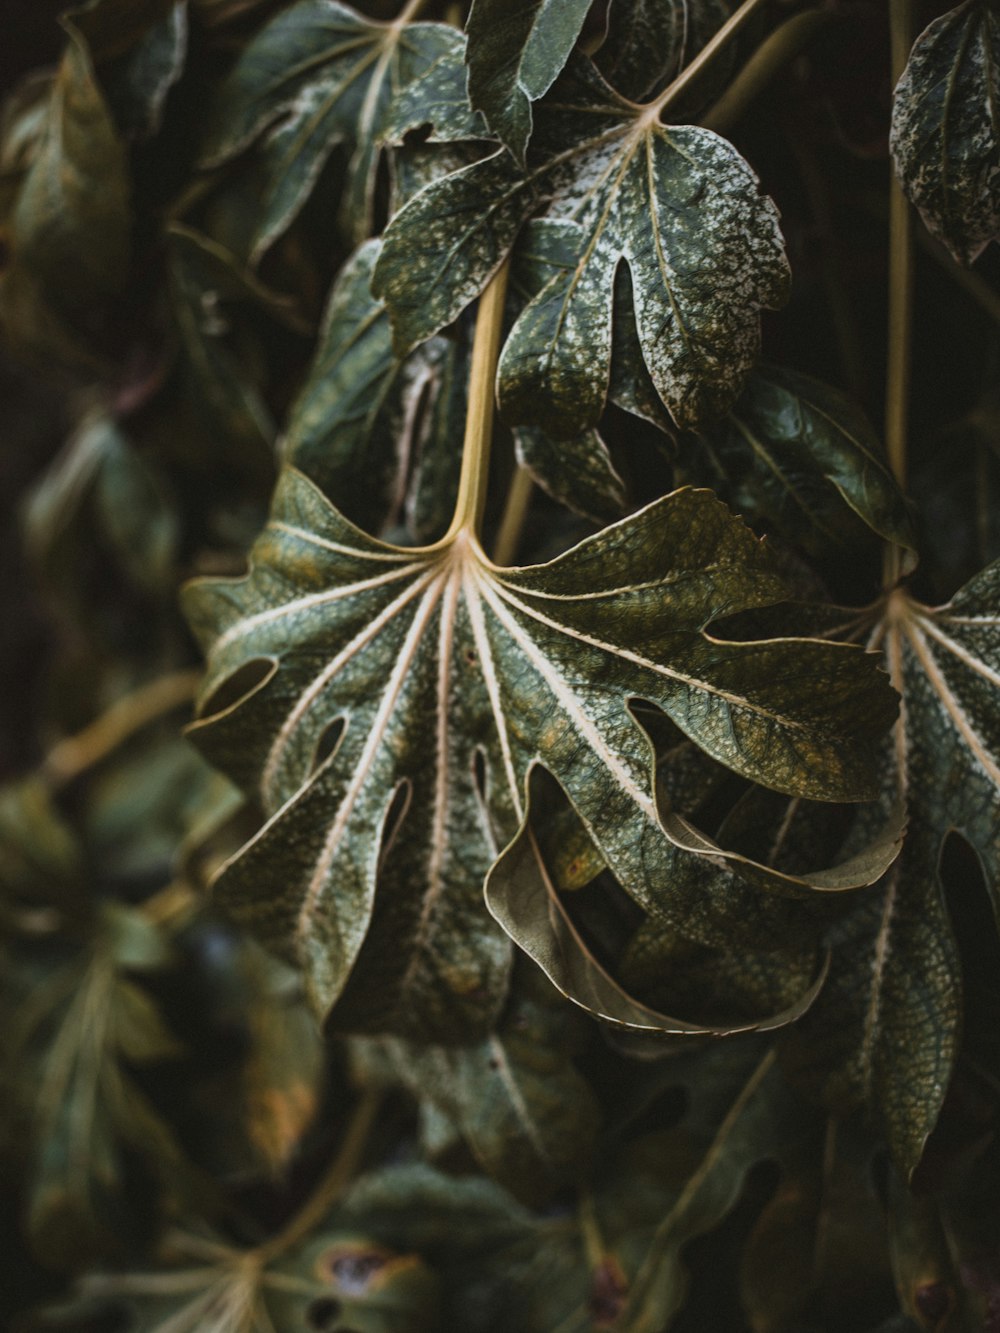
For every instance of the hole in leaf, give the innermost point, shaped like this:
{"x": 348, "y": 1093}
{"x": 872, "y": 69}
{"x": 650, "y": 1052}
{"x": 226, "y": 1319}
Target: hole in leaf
{"x": 328, "y": 740}
{"x": 238, "y": 687}
{"x": 479, "y": 773}
{"x": 323, "y": 1312}
{"x": 394, "y": 818}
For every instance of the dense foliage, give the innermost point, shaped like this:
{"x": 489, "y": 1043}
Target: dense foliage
{"x": 500, "y": 823}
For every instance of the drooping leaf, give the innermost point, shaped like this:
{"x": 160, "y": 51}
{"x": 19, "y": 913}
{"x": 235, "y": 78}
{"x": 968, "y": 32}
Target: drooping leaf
{"x": 945, "y": 139}
{"x": 515, "y": 55}
{"x": 885, "y": 1029}
{"x": 677, "y": 204}
{"x": 797, "y": 451}
{"x": 317, "y": 75}
{"x": 650, "y": 41}
{"x": 485, "y": 671}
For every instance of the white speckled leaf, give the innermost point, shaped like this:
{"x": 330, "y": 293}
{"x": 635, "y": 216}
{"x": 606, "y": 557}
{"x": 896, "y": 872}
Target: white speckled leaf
{"x": 946, "y": 127}
{"x": 678, "y": 205}
{"x": 515, "y": 54}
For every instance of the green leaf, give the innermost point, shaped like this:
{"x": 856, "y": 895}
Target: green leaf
{"x": 374, "y": 430}
{"x": 317, "y": 75}
{"x": 514, "y": 57}
{"x": 70, "y": 225}
{"x": 886, "y": 1028}
{"x": 944, "y": 136}
{"x": 650, "y": 41}
{"x": 521, "y": 894}
{"x": 139, "y": 51}
{"x": 677, "y": 204}
{"x": 579, "y": 473}
{"x": 798, "y": 450}
{"x": 517, "y": 1099}
{"x": 439, "y": 679}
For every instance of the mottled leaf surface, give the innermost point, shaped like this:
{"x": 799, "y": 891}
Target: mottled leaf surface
{"x": 677, "y": 204}
{"x": 946, "y": 127}
{"x": 439, "y": 679}
{"x": 890, "y": 1014}
{"x": 317, "y": 75}
{"x": 515, "y": 53}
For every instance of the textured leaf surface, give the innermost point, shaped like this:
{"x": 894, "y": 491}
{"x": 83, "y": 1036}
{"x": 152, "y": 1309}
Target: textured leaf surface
{"x": 515, "y": 53}
{"x": 798, "y": 450}
{"x": 317, "y": 75}
{"x": 891, "y": 1010}
{"x": 677, "y": 204}
{"x": 375, "y": 430}
{"x": 439, "y": 677}
{"x": 946, "y": 127}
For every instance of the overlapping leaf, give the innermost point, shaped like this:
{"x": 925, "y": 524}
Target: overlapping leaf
{"x": 317, "y": 75}
{"x": 439, "y": 680}
{"x": 649, "y": 41}
{"x": 887, "y": 1026}
{"x": 945, "y": 138}
{"x": 514, "y": 56}
{"x": 677, "y": 204}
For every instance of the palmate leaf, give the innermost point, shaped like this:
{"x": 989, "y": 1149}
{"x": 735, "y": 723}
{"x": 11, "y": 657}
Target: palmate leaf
{"x": 317, "y": 75}
{"x": 945, "y": 139}
{"x": 677, "y": 204}
{"x": 886, "y": 1027}
{"x": 439, "y": 680}
{"x": 515, "y": 54}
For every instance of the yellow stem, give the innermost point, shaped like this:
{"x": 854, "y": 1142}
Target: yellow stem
{"x": 332, "y": 1185}
{"x": 479, "y": 414}
{"x": 781, "y": 46}
{"x": 897, "y": 379}
{"x": 74, "y": 755}
{"x": 705, "y": 57}
{"x": 514, "y": 514}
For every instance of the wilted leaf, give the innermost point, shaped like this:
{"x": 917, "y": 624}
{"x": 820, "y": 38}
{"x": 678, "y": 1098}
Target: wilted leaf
{"x": 515, "y": 55}
{"x": 317, "y": 75}
{"x": 944, "y": 127}
{"x": 485, "y": 672}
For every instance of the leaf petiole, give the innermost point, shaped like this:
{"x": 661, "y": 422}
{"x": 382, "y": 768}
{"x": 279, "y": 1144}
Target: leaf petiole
{"x": 479, "y": 414}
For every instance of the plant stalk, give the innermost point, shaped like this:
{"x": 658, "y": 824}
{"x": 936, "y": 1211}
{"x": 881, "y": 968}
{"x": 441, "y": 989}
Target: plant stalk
{"x": 71, "y": 757}
{"x": 705, "y": 56}
{"x": 772, "y": 55}
{"x": 332, "y": 1184}
{"x": 897, "y": 377}
{"x": 479, "y": 415}
{"x": 512, "y": 520}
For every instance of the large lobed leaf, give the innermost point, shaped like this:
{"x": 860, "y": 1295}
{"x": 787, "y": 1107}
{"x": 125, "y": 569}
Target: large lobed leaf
{"x": 945, "y": 120}
{"x": 439, "y": 680}
{"x": 886, "y": 1029}
{"x": 677, "y": 204}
